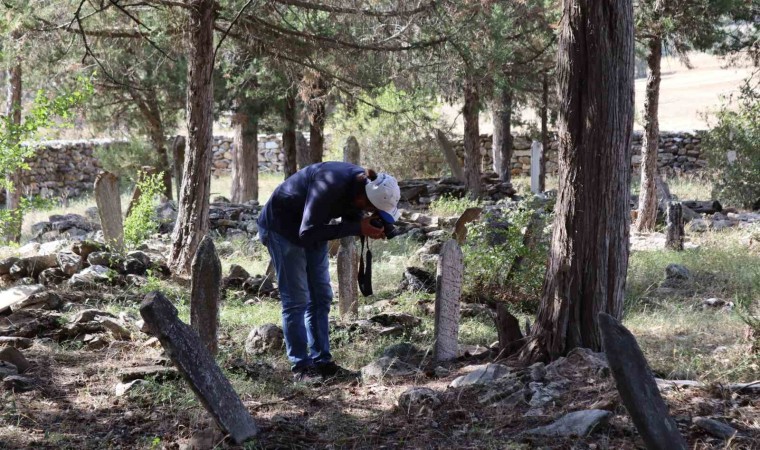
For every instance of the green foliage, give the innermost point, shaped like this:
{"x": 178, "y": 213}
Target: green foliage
{"x": 492, "y": 247}
{"x": 45, "y": 112}
{"x": 393, "y": 134}
{"x": 737, "y": 130}
{"x": 142, "y": 221}
{"x": 448, "y": 205}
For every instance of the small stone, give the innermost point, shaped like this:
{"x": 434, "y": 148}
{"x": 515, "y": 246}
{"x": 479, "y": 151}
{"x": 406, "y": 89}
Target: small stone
{"x": 69, "y": 262}
{"x": 121, "y": 389}
{"x": 403, "y": 351}
{"x": 13, "y": 356}
{"x": 6, "y": 264}
{"x": 91, "y": 277}
{"x": 538, "y": 372}
{"x": 18, "y": 384}
{"x": 391, "y": 319}
{"x": 441, "y": 372}
{"x": 387, "y": 368}
{"x": 717, "y": 303}
{"x": 52, "y": 277}
{"x": 264, "y": 339}
{"x": 578, "y": 423}
{"x": 7, "y": 369}
{"x": 106, "y": 259}
{"x": 677, "y": 272}
{"x": 418, "y": 399}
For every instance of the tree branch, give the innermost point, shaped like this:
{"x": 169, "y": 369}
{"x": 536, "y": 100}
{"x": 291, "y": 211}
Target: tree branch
{"x": 365, "y": 12}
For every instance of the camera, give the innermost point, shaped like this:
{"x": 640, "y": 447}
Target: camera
{"x": 390, "y": 230}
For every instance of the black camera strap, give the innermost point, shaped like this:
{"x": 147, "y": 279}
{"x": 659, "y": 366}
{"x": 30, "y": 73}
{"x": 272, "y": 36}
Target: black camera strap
{"x": 365, "y": 269}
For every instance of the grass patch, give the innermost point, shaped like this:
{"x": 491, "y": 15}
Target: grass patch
{"x": 447, "y": 205}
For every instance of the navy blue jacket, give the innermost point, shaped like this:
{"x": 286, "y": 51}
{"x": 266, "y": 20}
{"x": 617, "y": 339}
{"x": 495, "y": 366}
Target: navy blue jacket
{"x": 301, "y": 208}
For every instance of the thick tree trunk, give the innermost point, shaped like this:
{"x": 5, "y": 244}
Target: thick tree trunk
{"x": 159, "y": 145}
{"x": 472, "y": 157}
{"x": 178, "y": 154}
{"x": 13, "y": 194}
{"x": 647, "y": 214}
{"x": 289, "y": 143}
{"x": 589, "y": 252}
{"x": 245, "y": 156}
{"x": 502, "y": 135}
{"x": 544, "y": 130}
{"x": 316, "y": 131}
{"x": 192, "y": 217}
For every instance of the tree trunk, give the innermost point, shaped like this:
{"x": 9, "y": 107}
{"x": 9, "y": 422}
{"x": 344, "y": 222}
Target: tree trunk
{"x": 178, "y": 154}
{"x": 589, "y": 253}
{"x": 159, "y": 145}
{"x": 192, "y": 217}
{"x": 544, "y": 131}
{"x": 289, "y": 135}
{"x": 502, "y": 135}
{"x": 472, "y": 157}
{"x": 245, "y": 155}
{"x": 647, "y": 215}
{"x": 450, "y": 154}
{"x": 13, "y": 193}
{"x": 317, "y": 123}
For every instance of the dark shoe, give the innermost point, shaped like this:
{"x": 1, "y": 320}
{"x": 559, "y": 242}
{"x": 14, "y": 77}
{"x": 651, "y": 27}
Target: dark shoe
{"x": 331, "y": 370}
{"x": 308, "y": 375}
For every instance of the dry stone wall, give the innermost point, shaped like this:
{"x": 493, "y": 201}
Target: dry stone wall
{"x": 69, "y": 168}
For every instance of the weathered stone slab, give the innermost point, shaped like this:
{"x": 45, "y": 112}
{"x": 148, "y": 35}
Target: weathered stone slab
{"x": 447, "y": 293}
{"x": 637, "y": 387}
{"x": 205, "y": 292}
{"x": 17, "y": 342}
{"x": 577, "y": 423}
{"x": 108, "y": 199}
{"x": 143, "y": 372}
{"x": 715, "y": 428}
{"x": 198, "y": 367}
{"x": 17, "y": 294}
{"x": 674, "y": 233}
{"x": 536, "y": 153}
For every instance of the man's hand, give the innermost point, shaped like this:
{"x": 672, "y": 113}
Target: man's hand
{"x": 369, "y": 230}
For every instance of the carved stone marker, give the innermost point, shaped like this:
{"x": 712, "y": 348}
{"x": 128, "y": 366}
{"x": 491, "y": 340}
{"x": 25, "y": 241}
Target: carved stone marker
{"x": 205, "y": 291}
{"x": 674, "y": 231}
{"x": 447, "y": 292}
{"x": 108, "y": 200}
{"x": 536, "y": 156}
{"x": 197, "y": 367}
{"x": 638, "y": 388}
{"x": 348, "y": 257}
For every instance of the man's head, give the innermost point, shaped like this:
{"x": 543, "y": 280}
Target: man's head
{"x": 381, "y": 194}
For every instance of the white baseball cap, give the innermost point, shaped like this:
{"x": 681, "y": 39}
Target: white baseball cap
{"x": 384, "y": 194}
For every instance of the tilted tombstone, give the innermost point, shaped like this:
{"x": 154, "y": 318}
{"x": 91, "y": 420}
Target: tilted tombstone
{"x": 348, "y": 258}
{"x": 674, "y": 231}
{"x": 198, "y": 368}
{"x": 536, "y": 156}
{"x": 205, "y": 292}
{"x": 638, "y": 388}
{"x": 108, "y": 200}
{"x": 447, "y": 292}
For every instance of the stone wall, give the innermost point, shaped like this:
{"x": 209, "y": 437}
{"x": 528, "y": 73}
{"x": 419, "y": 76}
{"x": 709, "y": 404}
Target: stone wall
{"x": 68, "y": 168}
{"x": 62, "y": 168}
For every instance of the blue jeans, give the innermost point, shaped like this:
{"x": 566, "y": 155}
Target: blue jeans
{"x": 303, "y": 278}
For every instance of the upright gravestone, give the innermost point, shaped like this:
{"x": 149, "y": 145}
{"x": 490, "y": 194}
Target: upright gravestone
{"x": 205, "y": 285}
{"x": 638, "y": 388}
{"x": 348, "y": 258}
{"x": 536, "y": 156}
{"x": 447, "y": 292}
{"x": 108, "y": 200}
{"x": 198, "y": 368}
{"x": 674, "y": 232}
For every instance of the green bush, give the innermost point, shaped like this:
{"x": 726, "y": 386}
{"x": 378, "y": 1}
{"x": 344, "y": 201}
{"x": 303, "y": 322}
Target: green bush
{"x": 737, "y": 182}
{"x": 394, "y": 143}
{"x": 142, "y": 220}
{"x": 495, "y": 243}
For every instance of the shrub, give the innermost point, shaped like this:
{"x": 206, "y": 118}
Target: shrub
{"x": 142, "y": 220}
{"x": 737, "y": 180}
{"x": 395, "y": 142}
{"x": 495, "y": 243}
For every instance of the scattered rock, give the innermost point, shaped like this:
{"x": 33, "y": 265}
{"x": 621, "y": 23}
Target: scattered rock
{"x": 91, "y": 277}
{"x": 386, "y": 367}
{"x": 158, "y": 373}
{"x": 418, "y": 399}
{"x": 264, "y": 339}
{"x": 482, "y": 375}
{"x": 52, "y": 277}
{"x": 18, "y": 383}
{"x": 69, "y": 262}
{"x": 698, "y": 226}
{"x": 17, "y": 294}
{"x": 122, "y": 389}
{"x": 6, "y": 264}
{"x": 29, "y": 323}
{"x": 579, "y": 360}
{"x": 677, "y": 272}
{"x": 106, "y": 259}
{"x": 32, "y": 266}
{"x": 578, "y": 423}
{"x": 538, "y": 372}
{"x": 236, "y": 278}
{"x": 403, "y": 351}
{"x": 17, "y": 342}
{"x": 13, "y": 356}
{"x": 85, "y": 248}
{"x": 259, "y": 285}
{"x": 41, "y": 300}
{"x": 115, "y": 328}
{"x": 717, "y": 303}
{"x": 501, "y": 389}
{"x": 7, "y": 369}
{"x": 715, "y": 428}
{"x": 543, "y": 394}
{"x": 417, "y": 280}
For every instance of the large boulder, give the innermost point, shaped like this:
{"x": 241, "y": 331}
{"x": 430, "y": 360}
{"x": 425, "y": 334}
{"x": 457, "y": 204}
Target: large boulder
{"x": 92, "y": 277}
{"x": 17, "y": 294}
{"x": 69, "y": 262}
{"x": 32, "y": 266}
